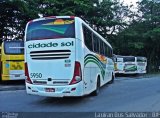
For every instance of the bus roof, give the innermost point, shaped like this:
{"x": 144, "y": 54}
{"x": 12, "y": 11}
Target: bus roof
{"x": 50, "y": 17}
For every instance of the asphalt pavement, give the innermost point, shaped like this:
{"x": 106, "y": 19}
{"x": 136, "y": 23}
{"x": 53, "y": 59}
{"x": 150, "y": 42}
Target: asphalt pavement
{"x": 126, "y": 94}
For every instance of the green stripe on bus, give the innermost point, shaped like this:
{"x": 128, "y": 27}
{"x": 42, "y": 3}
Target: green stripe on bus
{"x": 90, "y": 58}
{"x": 94, "y": 58}
{"x": 131, "y": 68}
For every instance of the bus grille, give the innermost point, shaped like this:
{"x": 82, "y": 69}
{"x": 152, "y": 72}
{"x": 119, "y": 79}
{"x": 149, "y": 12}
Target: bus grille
{"x": 130, "y": 67}
{"x": 60, "y": 83}
{"x": 50, "y": 54}
{"x": 54, "y": 82}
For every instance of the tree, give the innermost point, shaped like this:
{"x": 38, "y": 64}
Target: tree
{"x": 141, "y": 37}
{"x": 104, "y": 17}
{"x": 13, "y": 18}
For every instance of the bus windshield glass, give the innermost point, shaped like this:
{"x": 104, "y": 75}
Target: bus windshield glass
{"x": 141, "y": 59}
{"x": 51, "y": 29}
{"x": 14, "y": 47}
{"x": 129, "y": 59}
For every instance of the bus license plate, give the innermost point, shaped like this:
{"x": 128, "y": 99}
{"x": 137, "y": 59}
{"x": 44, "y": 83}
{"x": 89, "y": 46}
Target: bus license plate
{"x": 49, "y": 90}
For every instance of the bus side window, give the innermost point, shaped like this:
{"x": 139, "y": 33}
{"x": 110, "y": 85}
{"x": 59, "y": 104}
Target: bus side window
{"x": 108, "y": 52}
{"x": 101, "y": 47}
{"x": 111, "y": 52}
{"x": 96, "y": 44}
{"x": 87, "y": 38}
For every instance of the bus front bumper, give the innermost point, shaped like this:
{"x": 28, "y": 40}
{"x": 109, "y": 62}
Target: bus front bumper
{"x": 55, "y": 91}
{"x": 13, "y": 77}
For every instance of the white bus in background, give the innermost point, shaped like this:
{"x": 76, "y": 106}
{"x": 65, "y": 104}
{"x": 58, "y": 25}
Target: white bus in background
{"x": 130, "y": 64}
{"x": 141, "y": 64}
{"x": 125, "y": 64}
{"x": 65, "y": 57}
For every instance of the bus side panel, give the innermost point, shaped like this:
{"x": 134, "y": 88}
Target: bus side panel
{"x": 87, "y": 72}
{"x": 81, "y": 51}
{"x": 109, "y": 70}
{"x": 79, "y": 48}
{"x": 96, "y": 66}
{"x": 95, "y": 72}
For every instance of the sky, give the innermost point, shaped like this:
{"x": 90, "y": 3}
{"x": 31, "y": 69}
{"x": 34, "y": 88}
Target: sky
{"x": 129, "y": 2}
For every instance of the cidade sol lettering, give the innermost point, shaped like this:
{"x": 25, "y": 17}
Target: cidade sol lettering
{"x": 67, "y": 44}
{"x": 42, "y": 45}
{"x": 51, "y": 44}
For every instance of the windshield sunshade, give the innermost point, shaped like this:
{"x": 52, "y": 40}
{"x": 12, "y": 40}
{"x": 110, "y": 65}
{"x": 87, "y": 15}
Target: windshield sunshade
{"x": 51, "y": 29}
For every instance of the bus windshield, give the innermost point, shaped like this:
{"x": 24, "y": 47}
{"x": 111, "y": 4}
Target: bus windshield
{"x": 14, "y": 47}
{"x": 129, "y": 59}
{"x": 141, "y": 59}
{"x": 51, "y": 29}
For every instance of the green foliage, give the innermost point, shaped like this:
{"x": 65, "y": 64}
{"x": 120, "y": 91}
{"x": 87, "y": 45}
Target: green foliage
{"x": 101, "y": 16}
{"x": 14, "y": 15}
{"x": 141, "y": 37}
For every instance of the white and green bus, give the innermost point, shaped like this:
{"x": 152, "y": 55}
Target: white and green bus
{"x": 130, "y": 64}
{"x": 141, "y": 64}
{"x": 65, "y": 57}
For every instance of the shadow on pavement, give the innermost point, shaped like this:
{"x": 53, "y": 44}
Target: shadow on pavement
{"x": 12, "y": 85}
{"x": 13, "y": 82}
{"x": 129, "y": 75}
{"x": 64, "y": 101}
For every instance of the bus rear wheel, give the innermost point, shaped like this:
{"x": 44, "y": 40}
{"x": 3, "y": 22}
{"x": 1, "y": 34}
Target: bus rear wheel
{"x": 96, "y": 92}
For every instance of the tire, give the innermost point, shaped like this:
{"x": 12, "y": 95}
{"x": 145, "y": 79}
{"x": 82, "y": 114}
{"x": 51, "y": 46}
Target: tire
{"x": 112, "y": 80}
{"x": 96, "y": 92}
